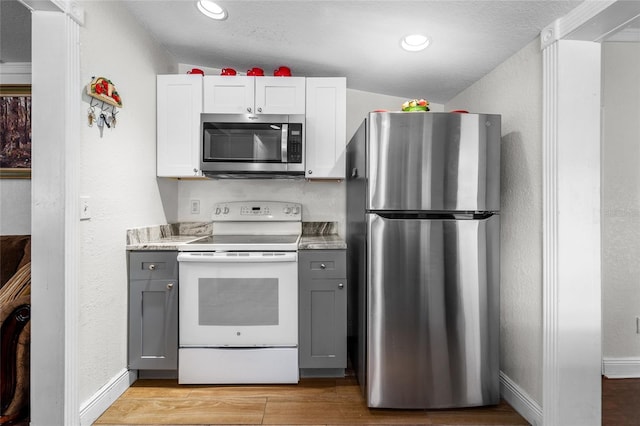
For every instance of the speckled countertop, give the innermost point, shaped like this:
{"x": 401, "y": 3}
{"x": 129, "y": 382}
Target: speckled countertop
{"x": 321, "y": 236}
{"x": 167, "y": 237}
{"x": 315, "y": 236}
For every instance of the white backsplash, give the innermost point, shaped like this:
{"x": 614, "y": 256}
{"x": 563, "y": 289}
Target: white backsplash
{"x": 321, "y": 201}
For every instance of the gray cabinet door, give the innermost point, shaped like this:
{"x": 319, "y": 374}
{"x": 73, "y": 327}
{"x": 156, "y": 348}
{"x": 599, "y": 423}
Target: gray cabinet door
{"x": 323, "y": 309}
{"x": 153, "y": 313}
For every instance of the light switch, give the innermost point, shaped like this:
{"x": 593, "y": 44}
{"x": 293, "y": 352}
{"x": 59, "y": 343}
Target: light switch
{"x": 85, "y": 208}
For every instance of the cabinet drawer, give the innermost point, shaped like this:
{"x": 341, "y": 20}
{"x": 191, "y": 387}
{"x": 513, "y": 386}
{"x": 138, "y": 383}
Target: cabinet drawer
{"x": 153, "y": 265}
{"x": 323, "y": 264}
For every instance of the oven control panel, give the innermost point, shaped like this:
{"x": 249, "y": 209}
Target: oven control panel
{"x": 257, "y": 211}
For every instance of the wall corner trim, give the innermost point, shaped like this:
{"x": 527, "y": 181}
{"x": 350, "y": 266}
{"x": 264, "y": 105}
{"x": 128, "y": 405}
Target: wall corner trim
{"x": 562, "y": 27}
{"x": 69, "y": 7}
{"x": 23, "y": 68}
{"x": 526, "y": 406}
{"x": 107, "y": 395}
{"x": 621, "y": 368}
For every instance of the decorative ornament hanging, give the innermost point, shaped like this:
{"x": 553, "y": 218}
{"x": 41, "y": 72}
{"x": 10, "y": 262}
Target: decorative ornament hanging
{"x": 103, "y": 89}
{"x": 105, "y": 96}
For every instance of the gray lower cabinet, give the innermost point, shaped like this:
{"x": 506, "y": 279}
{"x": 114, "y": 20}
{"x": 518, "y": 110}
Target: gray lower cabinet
{"x": 323, "y": 312}
{"x": 153, "y": 310}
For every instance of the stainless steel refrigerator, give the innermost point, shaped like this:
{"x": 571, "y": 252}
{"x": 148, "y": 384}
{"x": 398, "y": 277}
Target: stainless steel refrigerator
{"x": 423, "y": 225}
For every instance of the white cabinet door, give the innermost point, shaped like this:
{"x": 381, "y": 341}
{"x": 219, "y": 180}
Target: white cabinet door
{"x": 254, "y": 95}
{"x": 326, "y": 128}
{"x": 280, "y": 95}
{"x": 229, "y": 94}
{"x": 179, "y": 104}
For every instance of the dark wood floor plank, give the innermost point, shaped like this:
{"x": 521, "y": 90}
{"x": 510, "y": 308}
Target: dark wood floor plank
{"x": 620, "y": 402}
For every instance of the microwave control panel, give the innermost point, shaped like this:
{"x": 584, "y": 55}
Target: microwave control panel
{"x": 294, "y": 143}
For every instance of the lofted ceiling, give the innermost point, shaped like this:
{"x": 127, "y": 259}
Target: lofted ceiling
{"x": 359, "y": 39}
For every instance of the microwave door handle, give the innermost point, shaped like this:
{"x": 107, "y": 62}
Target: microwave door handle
{"x": 285, "y": 135}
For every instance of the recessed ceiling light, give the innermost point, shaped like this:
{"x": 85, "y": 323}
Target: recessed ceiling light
{"x": 212, "y": 10}
{"x": 415, "y": 42}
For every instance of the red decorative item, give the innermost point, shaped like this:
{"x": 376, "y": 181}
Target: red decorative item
{"x": 282, "y": 72}
{"x": 228, "y": 71}
{"x": 255, "y": 71}
{"x": 103, "y": 89}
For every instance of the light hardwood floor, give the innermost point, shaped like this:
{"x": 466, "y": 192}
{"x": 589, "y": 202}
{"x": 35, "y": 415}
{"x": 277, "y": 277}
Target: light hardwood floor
{"x": 311, "y": 402}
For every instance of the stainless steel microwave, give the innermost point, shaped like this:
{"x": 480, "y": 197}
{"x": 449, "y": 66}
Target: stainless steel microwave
{"x": 257, "y": 146}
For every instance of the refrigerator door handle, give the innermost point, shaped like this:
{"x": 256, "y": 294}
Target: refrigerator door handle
{"x": 430, "y": 215}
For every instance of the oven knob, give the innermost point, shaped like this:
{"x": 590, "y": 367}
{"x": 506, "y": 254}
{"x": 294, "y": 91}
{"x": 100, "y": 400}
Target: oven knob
{"x": 226, "y": 210}
{"x": 296, "y": 210}
{"x": 217, "y": 210}
{"x": 287, "y": 210}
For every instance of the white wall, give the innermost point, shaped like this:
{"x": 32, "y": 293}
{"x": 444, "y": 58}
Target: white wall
{"x": 514, "y": 90}
{"x": 117, "y": 172}
{"x": 322, "y": 201}
{"x": 621, "y": 201}
{"x": 15, "y": 194}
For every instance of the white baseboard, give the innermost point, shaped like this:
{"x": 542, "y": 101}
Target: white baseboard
{"x": 520, "y": 400}
{"x": 101, "y": 400}
{"x": 621, "y": 368}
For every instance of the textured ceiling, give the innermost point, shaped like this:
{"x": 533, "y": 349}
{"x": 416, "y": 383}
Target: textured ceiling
{"x": 357, "y": 39}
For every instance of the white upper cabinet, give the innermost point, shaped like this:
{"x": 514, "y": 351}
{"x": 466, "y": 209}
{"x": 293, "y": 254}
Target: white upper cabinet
{"x": 280, "y": 95}
{"x": 229, "y": 94}
{"x": 325, "y": 123}
{"x": 179, "y": 104}
{"x": 254, "y": 95}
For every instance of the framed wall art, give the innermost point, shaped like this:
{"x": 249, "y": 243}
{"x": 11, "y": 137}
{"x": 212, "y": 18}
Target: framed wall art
{"x": 15, "y": 131}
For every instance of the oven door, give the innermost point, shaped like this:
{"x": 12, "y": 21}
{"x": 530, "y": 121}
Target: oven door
{"x": 238, "y": 299}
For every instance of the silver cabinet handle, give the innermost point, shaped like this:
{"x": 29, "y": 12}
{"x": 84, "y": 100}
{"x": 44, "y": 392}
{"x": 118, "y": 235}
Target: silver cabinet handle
{"x": 341, "y": 286}
{"x": 170, "y": 286}
{"x": 259, "y": 109}
{"x": 309, "y": 172}
{"x": 152, "y": 267}
{"x": 248, "y": 109}
{"x": 323, "y": 266}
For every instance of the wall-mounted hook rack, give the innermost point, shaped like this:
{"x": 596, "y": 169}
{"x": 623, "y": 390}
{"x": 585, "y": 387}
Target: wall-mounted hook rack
{"x": 103, "y": 95}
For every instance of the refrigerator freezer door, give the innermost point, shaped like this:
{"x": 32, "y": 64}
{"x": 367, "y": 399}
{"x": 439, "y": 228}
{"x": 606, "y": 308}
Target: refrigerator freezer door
{"x": 433, "y": 323}
{"x": 433, "y": 161}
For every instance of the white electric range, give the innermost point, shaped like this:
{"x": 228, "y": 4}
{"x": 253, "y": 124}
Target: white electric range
{"x": 238, "y": 297}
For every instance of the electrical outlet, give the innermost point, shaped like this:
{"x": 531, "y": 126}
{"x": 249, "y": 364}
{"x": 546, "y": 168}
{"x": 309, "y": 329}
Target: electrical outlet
{"x": 195, "y": 206}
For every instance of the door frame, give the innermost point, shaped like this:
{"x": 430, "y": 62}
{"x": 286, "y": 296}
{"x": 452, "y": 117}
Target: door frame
{"x": 55, "y": 211}
{"x": 572, "y": 329}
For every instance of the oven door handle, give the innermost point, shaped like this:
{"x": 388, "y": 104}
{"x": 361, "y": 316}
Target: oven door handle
{"x": 237, "y": 257}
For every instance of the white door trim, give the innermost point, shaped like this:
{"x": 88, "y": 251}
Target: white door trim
{"x": 55, "y": 213}
{"x": 571, "y": 210}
